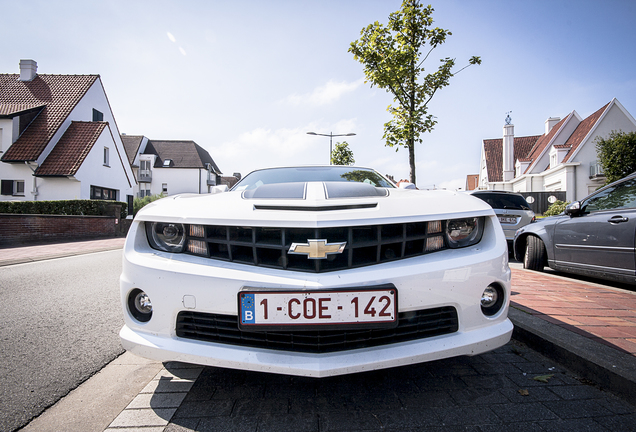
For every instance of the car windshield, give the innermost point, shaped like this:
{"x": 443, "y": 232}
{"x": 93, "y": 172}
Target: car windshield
{"x": 305, "y": 174}
{"x": 504, "y": 201}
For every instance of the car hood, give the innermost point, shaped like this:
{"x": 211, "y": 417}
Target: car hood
{"x": 314, "y": 204}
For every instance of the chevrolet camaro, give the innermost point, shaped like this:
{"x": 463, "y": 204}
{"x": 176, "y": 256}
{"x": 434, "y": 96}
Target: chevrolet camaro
{"x": 315, "y": 271}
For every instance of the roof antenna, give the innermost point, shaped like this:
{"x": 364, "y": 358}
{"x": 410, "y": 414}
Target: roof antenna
{"x": 508, "y": 119}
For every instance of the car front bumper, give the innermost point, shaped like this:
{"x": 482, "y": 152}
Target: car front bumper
{"x": 176, "y": 283}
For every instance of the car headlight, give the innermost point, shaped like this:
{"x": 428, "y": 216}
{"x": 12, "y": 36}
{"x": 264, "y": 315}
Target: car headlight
{"x": 464, "y": 232}
{"x": 168, "y": 237}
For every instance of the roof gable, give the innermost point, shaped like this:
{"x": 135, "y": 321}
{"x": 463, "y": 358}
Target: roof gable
{"x": 542, "y": 144}
{"x": 58, "y": 94}
{"x": 71, "y": 150}
{"x": 131, "y": 146}
{"x": 582, "y": 131}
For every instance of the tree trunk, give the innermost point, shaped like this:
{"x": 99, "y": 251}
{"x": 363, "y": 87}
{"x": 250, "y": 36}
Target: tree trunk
{"x": 412, "y": 159}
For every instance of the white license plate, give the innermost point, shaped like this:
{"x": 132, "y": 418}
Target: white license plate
{"x": 306, "y": 310}
{"x": 508, "y": 219}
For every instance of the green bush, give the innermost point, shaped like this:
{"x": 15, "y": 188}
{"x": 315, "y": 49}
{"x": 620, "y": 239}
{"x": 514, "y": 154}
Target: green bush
{"x": 62, "y": 207}
{"x": 556, "y": 208}
{"x": 138, "y": 203}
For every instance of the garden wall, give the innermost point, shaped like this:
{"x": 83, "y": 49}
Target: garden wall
{"x": 20, "y": 228}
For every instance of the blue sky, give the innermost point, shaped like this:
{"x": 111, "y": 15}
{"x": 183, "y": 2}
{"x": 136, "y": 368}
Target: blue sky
{"x": 247, "y": 79}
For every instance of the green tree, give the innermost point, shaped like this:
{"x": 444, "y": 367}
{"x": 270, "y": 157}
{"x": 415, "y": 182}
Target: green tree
{"x": 556, "y": 208}
{"x": 139, "y": 203}
{"x": 617, "y": 154}
{"x": 392, "y": 57}
{"x": 342, "y": 154}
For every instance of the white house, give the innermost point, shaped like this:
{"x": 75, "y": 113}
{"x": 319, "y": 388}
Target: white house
{"x": 562, "y": 159}
{"x": 170, "y": 167}
{"x": 59, "y": 139}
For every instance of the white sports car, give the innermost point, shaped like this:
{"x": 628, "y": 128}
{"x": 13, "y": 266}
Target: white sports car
{"x": 315, "y": 271}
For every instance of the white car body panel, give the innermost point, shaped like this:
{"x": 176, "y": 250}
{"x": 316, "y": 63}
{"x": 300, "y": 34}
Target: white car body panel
{"x": 450, "y": 277}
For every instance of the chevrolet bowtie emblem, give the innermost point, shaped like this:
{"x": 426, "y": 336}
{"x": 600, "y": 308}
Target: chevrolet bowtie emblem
{"x": 317, "y": 249}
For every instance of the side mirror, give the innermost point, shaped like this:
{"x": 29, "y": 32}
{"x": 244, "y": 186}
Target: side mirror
{"x": 574, "y": 209}
{"x": 219, "y": 189}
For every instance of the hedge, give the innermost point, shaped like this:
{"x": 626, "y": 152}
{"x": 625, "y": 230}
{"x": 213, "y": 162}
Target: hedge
{"x": 62, "y": 207}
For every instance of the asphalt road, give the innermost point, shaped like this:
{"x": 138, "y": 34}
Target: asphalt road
{"x": 59, "y": 324}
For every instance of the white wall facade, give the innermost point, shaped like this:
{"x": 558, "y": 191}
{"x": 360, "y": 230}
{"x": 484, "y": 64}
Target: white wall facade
{"x": 93, "y": 172}
{"x": 179, "y": 180}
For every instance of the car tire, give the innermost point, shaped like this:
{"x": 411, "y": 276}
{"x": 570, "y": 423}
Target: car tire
{"x": 534, "y": 259}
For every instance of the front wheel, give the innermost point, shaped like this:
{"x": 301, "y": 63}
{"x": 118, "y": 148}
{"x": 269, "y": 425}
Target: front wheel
{"x": 534, "y": 258}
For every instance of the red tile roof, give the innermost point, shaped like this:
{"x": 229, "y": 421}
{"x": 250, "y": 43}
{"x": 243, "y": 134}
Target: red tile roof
{"x": 581, "y": 131}
{"x": 12, "y": 109}
{"x": 59, "y": 94}
{"x": 71, "y": 150}
{"x": 493, "y": 149}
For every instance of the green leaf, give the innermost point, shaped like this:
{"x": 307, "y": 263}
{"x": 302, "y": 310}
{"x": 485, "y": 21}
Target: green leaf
{"x": 543, "y": 378}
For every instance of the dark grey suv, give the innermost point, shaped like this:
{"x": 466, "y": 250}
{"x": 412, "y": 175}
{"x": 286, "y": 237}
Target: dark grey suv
{"x": 510, "y": 207}
{"x": 595, "y": 236}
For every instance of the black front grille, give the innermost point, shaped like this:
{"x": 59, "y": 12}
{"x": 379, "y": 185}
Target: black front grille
{"x": 269, "y": 247}
{"x": 224, "y": 329}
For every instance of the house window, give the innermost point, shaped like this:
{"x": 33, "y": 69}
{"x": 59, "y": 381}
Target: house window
{"x": 97, "y": 116}
{"x": 164, "y": 188}
{"x": 98, "y": 192}
{"x": 13, "y": 187}
{"x": 167, "y": 162}
{"x": 145, "y": 173}
{"x": 144, "y": 191}
{"x": 106, "y": 157}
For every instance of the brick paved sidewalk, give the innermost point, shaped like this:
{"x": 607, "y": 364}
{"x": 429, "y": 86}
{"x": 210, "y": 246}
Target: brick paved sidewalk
{"x": 22, "y": 254}
{"x": 604, "y": 314}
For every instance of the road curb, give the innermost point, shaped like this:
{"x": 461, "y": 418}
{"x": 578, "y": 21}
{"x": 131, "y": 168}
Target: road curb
{"x": 9, "y": 262}
{"x": 608, "y": 367}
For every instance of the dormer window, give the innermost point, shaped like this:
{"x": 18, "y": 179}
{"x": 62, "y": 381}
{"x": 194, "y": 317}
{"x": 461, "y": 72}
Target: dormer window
{"x": 557, "y": 154}
{"x": 167, "y": 163}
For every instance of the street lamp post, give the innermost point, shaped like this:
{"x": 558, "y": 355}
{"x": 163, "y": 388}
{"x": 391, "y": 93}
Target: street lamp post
{"x": 330, "y": 135}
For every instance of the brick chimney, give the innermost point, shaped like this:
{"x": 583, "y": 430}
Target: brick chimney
{"x": 508, "y": 152}
{"x": 28, "y": 70}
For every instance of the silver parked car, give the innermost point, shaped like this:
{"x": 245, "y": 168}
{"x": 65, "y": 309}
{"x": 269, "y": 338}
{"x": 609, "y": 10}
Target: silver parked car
{"x": 593, "y": 237}
{"x": 510, "y": 207}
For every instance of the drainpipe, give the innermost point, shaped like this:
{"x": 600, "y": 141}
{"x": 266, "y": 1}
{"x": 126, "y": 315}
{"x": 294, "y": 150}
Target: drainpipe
{"x": 34, "y": 192}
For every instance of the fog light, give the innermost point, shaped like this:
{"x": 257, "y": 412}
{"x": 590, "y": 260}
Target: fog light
{"x": 492, "y": 299}
{"x": 489, "y": 297}
{"x": 139, "y": 305}
{"x": 143, "y": 303}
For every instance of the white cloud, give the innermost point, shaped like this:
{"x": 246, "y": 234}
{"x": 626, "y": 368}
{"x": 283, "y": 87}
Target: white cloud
{"x": 261, "y": 147}
{"x": 325, "y": 94}
{"x": 171, "y": 37}
{"x": 182, "y": 51}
